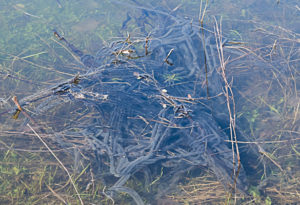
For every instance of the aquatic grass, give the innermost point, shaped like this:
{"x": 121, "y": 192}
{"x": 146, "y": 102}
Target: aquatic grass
{"x": 277, "y": 98}
{"x": 31, "y": 178}
{"x": 45, "y": 144}
{"x": 204, "y": 188}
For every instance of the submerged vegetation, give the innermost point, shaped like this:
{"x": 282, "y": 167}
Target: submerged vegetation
{"x": 264, "y": 80}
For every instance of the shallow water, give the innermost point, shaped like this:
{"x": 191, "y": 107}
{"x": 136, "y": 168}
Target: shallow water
{"x": 264, "y": 75}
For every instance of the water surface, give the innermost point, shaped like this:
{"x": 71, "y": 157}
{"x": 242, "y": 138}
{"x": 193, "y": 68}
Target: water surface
{"x": 265, "y": 81}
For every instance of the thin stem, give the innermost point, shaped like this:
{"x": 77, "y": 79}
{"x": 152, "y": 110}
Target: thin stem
{"x": 45, "y": 144}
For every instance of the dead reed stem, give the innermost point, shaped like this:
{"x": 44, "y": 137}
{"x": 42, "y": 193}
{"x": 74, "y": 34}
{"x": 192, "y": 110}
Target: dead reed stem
{"x": 228, "y": 93}
{"x": 15, "y": 100}
{"x": 58, "y": 160}
{"x": 202, "y": 12}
